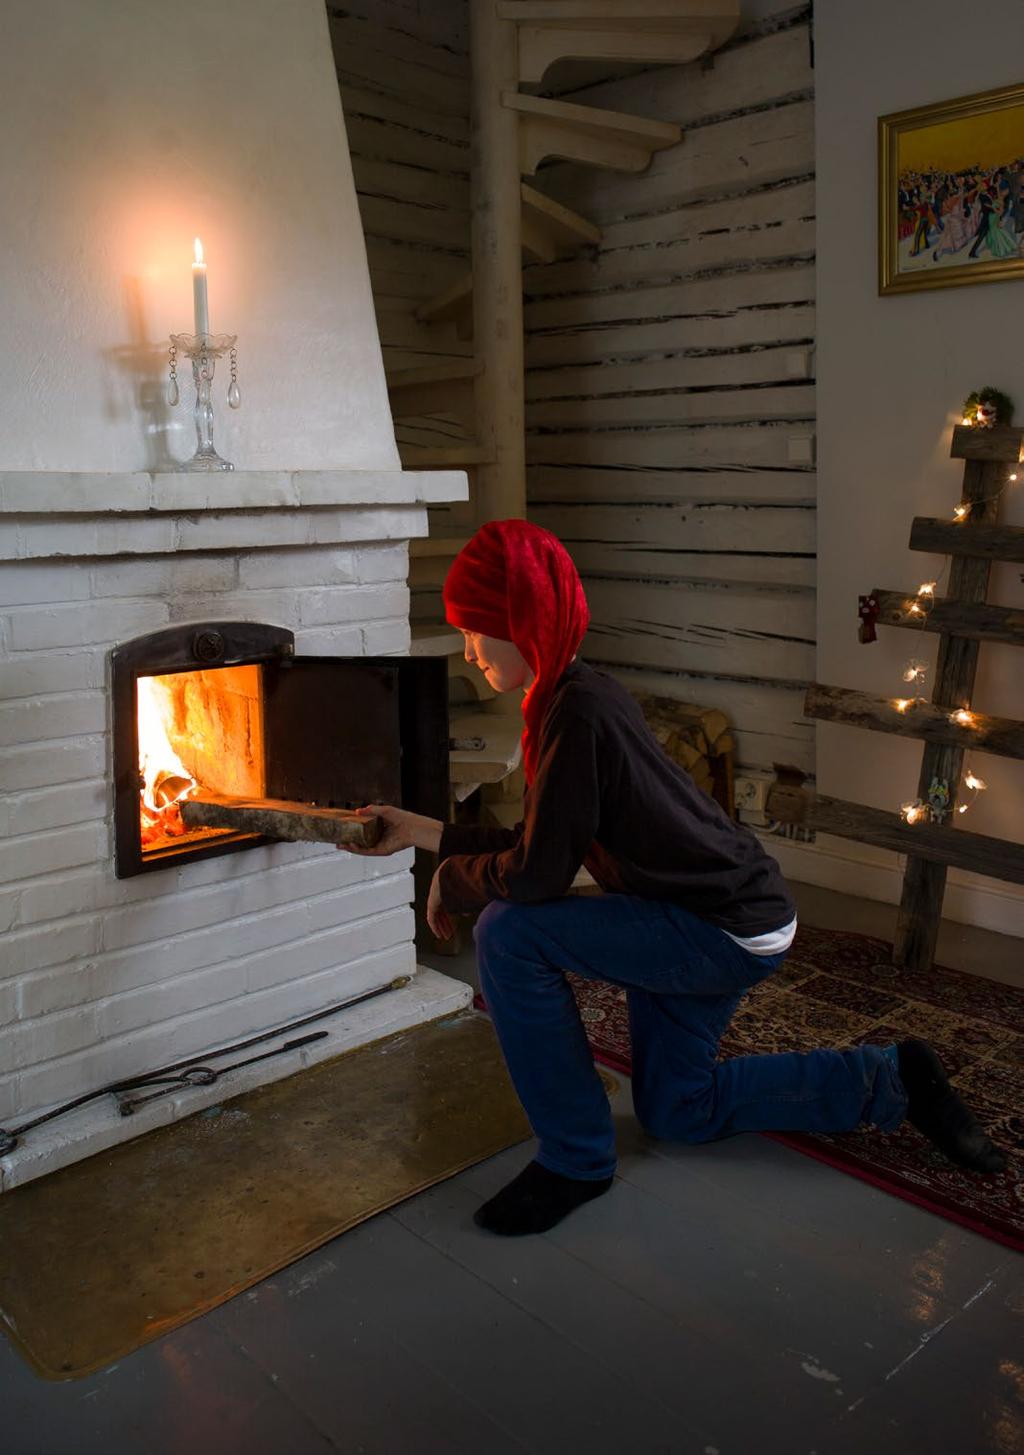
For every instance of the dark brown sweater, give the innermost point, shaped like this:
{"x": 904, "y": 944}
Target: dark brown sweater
{"x": 606, "y": 795}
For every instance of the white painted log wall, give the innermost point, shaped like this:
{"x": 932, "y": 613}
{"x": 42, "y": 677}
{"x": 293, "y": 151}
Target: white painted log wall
{"x": 403, "y": 74}
{"x": 670, "y": 392}
{"x": 404, "y": 83}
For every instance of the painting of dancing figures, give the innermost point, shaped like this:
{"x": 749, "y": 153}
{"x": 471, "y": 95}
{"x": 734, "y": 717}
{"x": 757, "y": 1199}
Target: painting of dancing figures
{"x": 951, "y": 192}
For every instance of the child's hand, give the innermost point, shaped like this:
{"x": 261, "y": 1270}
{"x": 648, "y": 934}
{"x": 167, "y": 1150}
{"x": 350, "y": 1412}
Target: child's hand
{"x": 397, "y": 833}
{"x": 437, "y": 916}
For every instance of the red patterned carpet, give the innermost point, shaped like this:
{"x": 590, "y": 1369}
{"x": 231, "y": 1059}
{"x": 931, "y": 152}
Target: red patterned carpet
{"x": 838, "y": 988}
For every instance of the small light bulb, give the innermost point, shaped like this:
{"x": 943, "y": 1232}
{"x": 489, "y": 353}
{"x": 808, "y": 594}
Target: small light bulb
{"x": 901, "y": 704}
{"x": 975, "y": 783}
{"x": 961, "y": 808}
{"x": 1014, "y": 475}
{"x": 915, "y": 610}
{"x": 962, "y": 717}
{"x": 927, "y": 588}
{"x": 960, "y": 512}
{"x": 966, "y": 419}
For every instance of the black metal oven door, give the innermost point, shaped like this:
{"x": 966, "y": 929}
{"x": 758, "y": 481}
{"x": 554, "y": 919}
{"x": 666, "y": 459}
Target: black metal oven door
{"x": 344, "y": 732}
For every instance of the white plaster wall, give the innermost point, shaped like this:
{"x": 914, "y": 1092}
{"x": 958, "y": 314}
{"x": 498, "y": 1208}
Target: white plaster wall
{"x": 130, "y": 126}
{"x": 891, "y": 375}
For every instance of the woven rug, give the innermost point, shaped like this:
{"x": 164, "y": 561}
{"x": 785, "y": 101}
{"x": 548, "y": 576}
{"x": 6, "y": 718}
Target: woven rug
{"x": 839, "y": 988}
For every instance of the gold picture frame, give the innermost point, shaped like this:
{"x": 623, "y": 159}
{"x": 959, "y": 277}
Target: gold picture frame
{"x": 951, "y": 193}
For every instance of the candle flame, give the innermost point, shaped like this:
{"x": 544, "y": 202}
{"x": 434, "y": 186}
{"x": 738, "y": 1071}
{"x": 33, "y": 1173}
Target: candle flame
{"x": 199, "y": 250}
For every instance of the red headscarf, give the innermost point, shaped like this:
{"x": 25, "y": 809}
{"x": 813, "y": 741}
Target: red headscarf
{"x": 517, "y": 582}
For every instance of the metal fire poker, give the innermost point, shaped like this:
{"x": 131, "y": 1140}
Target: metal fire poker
{"x": 9, "y": 1135}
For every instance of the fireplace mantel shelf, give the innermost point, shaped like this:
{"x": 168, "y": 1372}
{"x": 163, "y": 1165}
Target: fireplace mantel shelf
{"x": 48, "y": 516}
{"x": 48, "y": 492}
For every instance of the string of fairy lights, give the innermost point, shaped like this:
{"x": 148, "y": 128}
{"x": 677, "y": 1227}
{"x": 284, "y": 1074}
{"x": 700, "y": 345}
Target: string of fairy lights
{"x": 915, "y": 671}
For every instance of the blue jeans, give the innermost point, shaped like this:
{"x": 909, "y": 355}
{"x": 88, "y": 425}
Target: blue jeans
{"x": 683, "y": 979}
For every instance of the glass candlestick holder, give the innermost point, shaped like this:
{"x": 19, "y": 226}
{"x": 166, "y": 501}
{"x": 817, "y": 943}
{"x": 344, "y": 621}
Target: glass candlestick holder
{"x": 204, "y": 349}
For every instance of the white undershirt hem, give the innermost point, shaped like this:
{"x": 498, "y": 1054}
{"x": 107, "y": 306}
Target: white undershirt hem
{"x": 772, "y": 943}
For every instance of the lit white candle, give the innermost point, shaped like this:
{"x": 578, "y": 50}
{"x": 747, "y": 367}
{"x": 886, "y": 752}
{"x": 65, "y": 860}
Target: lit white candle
{"x": 199, "y": 299}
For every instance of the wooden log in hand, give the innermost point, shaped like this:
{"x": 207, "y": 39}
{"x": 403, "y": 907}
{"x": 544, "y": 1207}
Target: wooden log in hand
{"x": 279, "y": 819}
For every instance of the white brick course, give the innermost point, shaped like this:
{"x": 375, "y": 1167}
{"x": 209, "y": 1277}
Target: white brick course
{"x": 315, "y": 566}
{"x": 33, "y": 951}
{"x": 52, "y": 808}
{"x": 172, "y": 917}
{"x": 31, "y": 854}
{"x": 165, "y": 577}
{"x": 45, "y": 1083}
{"x": 59, "y": 715}
{"x": 45, "y": 672}
{"x": 384, "y": 563}
{"x": 383, "y": 637}
{"x": 28, "y": 584}
{"x": 37, "y": 628}
{"x": 41, "y": 765}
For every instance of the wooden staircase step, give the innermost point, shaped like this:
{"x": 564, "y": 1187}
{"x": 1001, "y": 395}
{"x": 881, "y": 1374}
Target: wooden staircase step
{"x": 586, "y": 134}
{"x": 454, "y": 305}
{"x": 657, "y": 31}
{"x": 450, "y": 370}
{"x": 445, "y": 387}
{"x": 492, "y": 763}
{"x": 435, "y": 639}
{"x": 437, "y": 545}
{"x": 551, "y": 230}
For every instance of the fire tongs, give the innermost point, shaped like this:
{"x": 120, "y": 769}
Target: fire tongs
{"x": 203, "y": 1075}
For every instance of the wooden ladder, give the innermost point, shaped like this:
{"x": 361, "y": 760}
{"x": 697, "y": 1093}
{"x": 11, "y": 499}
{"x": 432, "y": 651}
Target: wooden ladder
{"x": 963, "y": 620}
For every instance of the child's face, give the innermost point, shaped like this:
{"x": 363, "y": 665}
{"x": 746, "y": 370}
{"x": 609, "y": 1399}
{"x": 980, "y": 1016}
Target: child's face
{"x": 502, "y": 663}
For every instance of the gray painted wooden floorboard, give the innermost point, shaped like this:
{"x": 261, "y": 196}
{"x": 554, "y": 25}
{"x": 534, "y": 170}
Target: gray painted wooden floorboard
{"x": 683, "y": 1360}
{"x": 188, "y": 1394}
{"x": 703, "y": 1305}
{"x": 331, "y": 1332}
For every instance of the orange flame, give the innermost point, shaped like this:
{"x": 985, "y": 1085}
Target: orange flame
{"x": 165, "y": 779}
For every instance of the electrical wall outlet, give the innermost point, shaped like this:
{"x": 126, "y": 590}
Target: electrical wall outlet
{"x": 750, "y": 798}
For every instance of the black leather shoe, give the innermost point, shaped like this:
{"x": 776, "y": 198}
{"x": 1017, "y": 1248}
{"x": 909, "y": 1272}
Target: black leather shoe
{"x": 940, "y": 1114}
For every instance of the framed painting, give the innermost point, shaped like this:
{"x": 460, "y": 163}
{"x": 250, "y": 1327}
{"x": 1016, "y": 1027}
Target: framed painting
{"x": 950, "y": 203}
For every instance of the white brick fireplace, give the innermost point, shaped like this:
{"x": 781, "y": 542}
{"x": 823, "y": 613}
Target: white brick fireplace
{"x": 131, "y": 128}
{"x": 103, "y": 978}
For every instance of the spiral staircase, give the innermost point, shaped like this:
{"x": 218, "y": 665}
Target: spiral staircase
{"x": 478, "y": 402}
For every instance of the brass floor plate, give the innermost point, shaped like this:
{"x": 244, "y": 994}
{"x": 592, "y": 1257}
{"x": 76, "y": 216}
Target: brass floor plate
{"x": 103, "y": 1256}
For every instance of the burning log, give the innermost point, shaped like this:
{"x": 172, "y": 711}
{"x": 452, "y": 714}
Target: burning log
{"x": 279, "y": 819}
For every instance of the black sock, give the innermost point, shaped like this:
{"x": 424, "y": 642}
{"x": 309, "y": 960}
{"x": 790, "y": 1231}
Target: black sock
{"x": 942, "y": 1116}
{"x": 535, "y": 1201}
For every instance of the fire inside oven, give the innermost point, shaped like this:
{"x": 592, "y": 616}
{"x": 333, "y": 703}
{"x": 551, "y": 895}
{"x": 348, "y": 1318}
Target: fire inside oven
{"x": 197, "y": 730}
{"x": 227, "y": 708}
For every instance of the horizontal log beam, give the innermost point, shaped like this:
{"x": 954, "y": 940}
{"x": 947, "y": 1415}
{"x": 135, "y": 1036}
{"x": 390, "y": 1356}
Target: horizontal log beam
{"x": 995, "y": 858}
{"x": 951, "y": 538}
{"x": 278, "y": 818}
{"x": 978, "y": 622}
{"x": 1002, "y": 442}
{"x": 1001, "y": 735}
